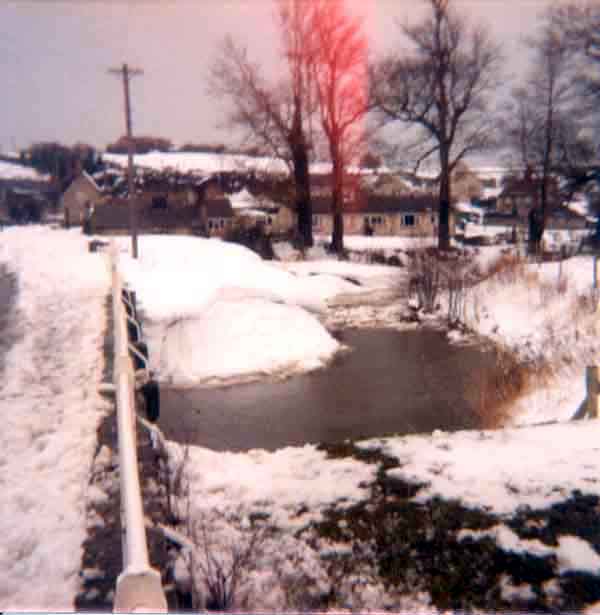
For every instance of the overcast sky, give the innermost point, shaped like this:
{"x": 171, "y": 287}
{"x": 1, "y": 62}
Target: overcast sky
{"x": 54, "y": 58}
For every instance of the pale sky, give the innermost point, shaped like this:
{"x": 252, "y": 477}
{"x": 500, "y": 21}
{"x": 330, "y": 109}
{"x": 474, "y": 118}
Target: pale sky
{"x": 54, "y": 58}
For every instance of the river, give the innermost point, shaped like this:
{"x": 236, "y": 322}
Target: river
{"x": 392, "y": 382}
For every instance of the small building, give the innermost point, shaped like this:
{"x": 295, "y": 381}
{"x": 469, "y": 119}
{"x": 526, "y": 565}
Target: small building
{"x": 82, "y": 194}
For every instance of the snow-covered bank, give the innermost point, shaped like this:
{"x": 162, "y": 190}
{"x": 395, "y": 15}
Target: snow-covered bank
{"x": 339, "y": 526}
{"x": 215, "y": 312}
{"x": 50, "y": 413}
{"x": 545, "y": 315}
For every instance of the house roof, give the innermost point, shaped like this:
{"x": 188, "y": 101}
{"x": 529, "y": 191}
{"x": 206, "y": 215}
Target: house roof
{"x": 380, "y": 204}
{"x": 526, "y": 186}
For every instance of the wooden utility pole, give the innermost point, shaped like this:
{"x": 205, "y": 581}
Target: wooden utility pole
{"x": 126, "y": 73}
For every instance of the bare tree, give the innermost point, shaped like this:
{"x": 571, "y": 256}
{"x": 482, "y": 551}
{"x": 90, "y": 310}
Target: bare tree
{"x": 580, "y": 26}
{"x": 339, "y": 66}
{"x": 543, "y": 124}
{"x": 444, "y": 88}
{"x": 274, "y": 115}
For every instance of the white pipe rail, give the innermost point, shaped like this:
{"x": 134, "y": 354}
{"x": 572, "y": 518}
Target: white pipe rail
{"x": 138, "y": 586}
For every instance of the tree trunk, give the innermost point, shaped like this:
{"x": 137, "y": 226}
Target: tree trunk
{"x": 444, "y": 213}
{"x": 303, "y": 200}
{"x": 544, "y": 204}
{"x": 337, "y": 237}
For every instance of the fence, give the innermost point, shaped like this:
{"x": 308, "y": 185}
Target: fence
{"x": 139, "y": 586}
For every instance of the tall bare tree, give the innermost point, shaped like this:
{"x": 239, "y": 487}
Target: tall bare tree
{"x": 444, "y": 87}
{"x": 580, "y": 25}
{"x": 275, "y": 116}
{"x": 339, "y": 67}
{"x": 544, "y": 123}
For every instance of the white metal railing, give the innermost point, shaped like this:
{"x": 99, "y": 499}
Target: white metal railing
{"x": 138, "y": 586}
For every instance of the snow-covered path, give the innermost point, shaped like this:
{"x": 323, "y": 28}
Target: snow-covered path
{"x": 50, "y": 411}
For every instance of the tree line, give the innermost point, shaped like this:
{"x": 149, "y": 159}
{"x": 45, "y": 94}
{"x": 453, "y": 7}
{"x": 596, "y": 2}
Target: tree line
{"x": 443, "y": 92}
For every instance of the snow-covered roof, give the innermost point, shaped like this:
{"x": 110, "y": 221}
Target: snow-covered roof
{"x": 91, "y": 180}
{"x": 242, "y": 199}
{"x": 9, "y": 170}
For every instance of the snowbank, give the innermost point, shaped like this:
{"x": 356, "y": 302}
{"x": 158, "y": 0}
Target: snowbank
{"x": 242, "y": 340}
{"x": 50, "y": 414}
{"x": 215, "y": 311}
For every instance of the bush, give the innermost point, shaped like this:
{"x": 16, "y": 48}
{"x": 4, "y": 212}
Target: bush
{"x": 377, "y": 257}
{"x": 434, "y": 273}
{"x": 425, "y": 278}
{"x": 254, "y": 238}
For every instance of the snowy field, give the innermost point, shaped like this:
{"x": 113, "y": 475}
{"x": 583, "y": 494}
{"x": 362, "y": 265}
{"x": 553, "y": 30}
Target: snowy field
{"x": 50, "y": 411}
{"x": 216, "y": 312}
{"x": 208, "y": 163}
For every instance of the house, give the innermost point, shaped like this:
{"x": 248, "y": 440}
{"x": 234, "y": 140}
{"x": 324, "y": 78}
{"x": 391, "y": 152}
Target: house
{"x": 185, "y": 207}
{"x": 23, "y": 205}
{"x": 409, "y": 215}
{"x": 82, "y": 194}
{"x": 25, "y": 194}
{"x": 520, "y": 195}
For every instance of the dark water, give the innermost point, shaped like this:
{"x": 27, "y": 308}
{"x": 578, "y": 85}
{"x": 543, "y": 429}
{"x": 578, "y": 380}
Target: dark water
{"x": 392, "y": 382}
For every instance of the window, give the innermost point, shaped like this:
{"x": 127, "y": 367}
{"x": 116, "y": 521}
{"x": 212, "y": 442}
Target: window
{"x": 159, "y": 202}
{"x": 408, "y": 220}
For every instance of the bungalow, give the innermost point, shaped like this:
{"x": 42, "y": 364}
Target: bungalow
{"x": 410, "y": 215}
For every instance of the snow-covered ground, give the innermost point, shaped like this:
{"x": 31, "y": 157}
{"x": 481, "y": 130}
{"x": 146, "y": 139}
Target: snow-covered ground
{"x": 50, "y": 412}
{"x": 215, "y": 312}
{"x": 207, "y": 298}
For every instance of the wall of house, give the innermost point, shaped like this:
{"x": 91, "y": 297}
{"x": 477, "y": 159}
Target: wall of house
{"x": 388, "y": 224}
{"x": 521, "y": 203}
{"x": 284, "y": 222}
{"x": 73, "y": 201}
{"x": 219, "y": 227}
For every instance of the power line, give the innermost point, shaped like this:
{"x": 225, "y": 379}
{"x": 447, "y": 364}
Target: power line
{"x": 126, "y": 73}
